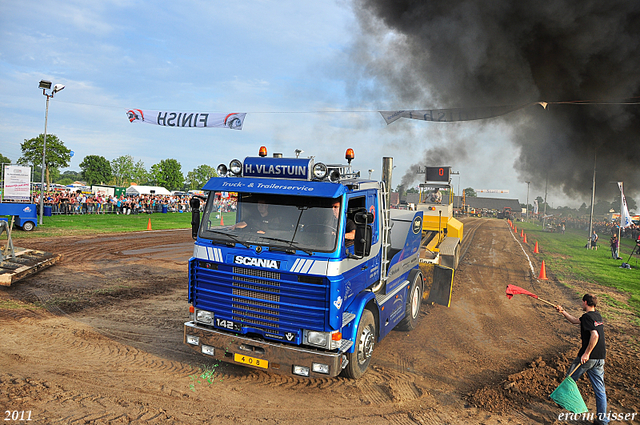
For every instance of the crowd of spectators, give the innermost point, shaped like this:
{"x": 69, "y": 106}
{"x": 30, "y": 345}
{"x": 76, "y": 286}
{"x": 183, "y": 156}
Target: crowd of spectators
{"x": 602, "y": 227}
{"x": 225, "y": 204}
{"x": 65, "y": 202}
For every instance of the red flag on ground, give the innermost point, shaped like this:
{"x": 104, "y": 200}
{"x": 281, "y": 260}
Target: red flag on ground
{"x": 516, "y": 290}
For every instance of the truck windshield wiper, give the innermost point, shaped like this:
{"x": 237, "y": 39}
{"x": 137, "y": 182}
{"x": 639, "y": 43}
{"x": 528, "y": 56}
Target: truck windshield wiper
{"x": 230, "y": 236}
{"x": 290, "y": 243}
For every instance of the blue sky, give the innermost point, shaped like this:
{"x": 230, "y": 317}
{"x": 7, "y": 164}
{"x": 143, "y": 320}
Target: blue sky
{"x": 289, "y": 64}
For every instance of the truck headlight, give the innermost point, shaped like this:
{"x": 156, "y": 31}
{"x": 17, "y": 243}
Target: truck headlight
{"x": 320, "y": 368}
{"x": 235, "y": 167}
{"x": 319, "y": 171}
{"x": 300, "y": 370}
{"x": 204, "y": 316}
{"x": 317, "y": 338}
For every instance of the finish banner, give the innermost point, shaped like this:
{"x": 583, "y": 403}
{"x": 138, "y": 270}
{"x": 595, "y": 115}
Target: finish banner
{"x": 452, "y": 115}
{"x": 232, "y": 121}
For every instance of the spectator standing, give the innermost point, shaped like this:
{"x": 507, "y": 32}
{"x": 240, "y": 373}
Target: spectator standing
{"x": 614, "y": 242}
{"x": 594, "y": 240}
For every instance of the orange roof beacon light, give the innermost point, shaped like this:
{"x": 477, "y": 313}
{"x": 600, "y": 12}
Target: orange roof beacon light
{"x": 263, "y": 151}
{"x": 349, "y": 155}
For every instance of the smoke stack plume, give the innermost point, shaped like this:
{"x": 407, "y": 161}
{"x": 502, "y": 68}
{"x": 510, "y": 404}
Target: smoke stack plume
{"x": 470, "y": 53}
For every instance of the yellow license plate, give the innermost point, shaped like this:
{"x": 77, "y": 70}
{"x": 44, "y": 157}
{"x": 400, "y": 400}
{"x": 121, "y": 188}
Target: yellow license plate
{"x": 251, "y": 361}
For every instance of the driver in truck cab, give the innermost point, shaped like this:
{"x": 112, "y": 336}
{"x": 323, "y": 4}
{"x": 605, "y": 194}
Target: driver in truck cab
{"x": 260, "y": 221}
{"x": 350, "y": 230}
{"x": 435, "y": 196}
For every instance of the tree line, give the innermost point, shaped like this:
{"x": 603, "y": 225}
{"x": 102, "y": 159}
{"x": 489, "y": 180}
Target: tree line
{"x": 96, "y": 169}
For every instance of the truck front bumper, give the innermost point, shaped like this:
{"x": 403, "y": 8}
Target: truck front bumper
{"x": 263, "y": 355}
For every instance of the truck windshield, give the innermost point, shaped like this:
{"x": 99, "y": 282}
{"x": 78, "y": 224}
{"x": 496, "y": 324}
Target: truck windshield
{"x": 288, "y": 222}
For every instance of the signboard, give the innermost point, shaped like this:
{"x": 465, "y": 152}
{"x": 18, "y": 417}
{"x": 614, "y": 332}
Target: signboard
{"x": 281, "y": 168}
{"x": 17, "y": 183}
{"x": 103, "y": 190}
{"x": 438, "y": 174}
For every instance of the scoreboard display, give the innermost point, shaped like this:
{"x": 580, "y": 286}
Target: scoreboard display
{"x": 438, "y": 174}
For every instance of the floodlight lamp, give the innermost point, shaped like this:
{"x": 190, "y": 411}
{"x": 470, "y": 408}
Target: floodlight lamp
{"x": 58, "y": 87}
{"x": 45, "y": 85}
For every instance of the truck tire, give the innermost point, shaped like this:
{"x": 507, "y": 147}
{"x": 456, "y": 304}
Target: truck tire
{"x": 28, "y": 226}
{"x": 414, "y": 301}
{"x": 365, "y": 340}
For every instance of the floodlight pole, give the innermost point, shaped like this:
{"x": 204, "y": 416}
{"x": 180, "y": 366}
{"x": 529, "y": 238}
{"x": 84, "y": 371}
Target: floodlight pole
{"x": 46, "y": 85}
{"x": 544, "y": 214}
{"x": 527, "y": 216}
{"x": 44, "y": 150}
{"x": 622, "y": 205}
{"x": 593, "y": 199}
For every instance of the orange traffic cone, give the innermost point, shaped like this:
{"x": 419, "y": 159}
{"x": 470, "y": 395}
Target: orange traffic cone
{"x": 515, "y": 230}
{"x": 525, "y": 238}
{"x": 543, "y": 272}
{"x": 221, "y": 220}
{"x": 149, "y": 224}
{"x": 536, "y": 250}
{"x": 522, "y": 233}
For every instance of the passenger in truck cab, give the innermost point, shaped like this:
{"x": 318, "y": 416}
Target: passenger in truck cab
{"x": 350, "y": 229}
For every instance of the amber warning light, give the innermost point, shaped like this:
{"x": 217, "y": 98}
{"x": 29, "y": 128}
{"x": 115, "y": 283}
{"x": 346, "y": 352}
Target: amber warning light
{"x": 349, "y": 155}
{"x": 263, "y": 151}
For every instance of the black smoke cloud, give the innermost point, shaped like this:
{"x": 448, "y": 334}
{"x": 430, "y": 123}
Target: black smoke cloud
{"x": 448, "y": 54}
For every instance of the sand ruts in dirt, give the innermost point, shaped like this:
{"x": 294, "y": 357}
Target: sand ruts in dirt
{"x": 98, "y": 339}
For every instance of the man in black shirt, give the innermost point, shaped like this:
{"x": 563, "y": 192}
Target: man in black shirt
{"x": 592, "y": 353}
{"x": 259, "y": 222}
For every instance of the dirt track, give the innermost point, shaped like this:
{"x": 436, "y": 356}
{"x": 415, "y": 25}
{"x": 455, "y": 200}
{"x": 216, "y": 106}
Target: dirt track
{"x": 98, "y": 339}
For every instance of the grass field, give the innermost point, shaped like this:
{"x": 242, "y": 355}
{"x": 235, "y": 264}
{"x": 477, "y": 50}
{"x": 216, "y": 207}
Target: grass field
{"x": 565, "y": 255}
{"x": 90, "y": 224}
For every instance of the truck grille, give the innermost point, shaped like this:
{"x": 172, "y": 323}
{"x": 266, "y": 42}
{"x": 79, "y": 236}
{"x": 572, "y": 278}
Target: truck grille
{"x": 260, "y": 299}
{"x": 253, "y": 294}
{"x": 256, "y": 272}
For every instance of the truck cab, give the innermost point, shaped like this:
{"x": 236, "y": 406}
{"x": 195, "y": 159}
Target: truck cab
{"x": 310, "y": 276}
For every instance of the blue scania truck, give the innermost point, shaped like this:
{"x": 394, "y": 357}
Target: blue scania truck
{"x": 313, "y": 273}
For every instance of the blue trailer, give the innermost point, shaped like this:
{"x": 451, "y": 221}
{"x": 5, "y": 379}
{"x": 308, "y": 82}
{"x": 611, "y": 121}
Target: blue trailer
{"x": 314, "y": 272}
{"x": 25, "y": 214}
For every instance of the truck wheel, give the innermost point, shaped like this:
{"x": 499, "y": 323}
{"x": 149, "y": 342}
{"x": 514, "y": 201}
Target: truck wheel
{"x": 365, "y": 340}
{"x": 28, "y": 226}
{"x": 414, "y": 301}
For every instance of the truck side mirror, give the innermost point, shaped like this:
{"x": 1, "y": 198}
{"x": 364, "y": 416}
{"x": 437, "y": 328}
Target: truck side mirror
{"x": 362, "y": 242}
{"x": 363, "y": 217}
{"x": 194, "y": 203}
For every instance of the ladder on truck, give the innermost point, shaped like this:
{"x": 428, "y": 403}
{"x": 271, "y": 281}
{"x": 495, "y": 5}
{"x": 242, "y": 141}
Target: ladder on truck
{"x": 386, "y": 230}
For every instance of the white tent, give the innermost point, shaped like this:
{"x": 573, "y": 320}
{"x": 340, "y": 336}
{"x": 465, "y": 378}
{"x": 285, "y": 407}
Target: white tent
{"x": 147, "y": 190}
